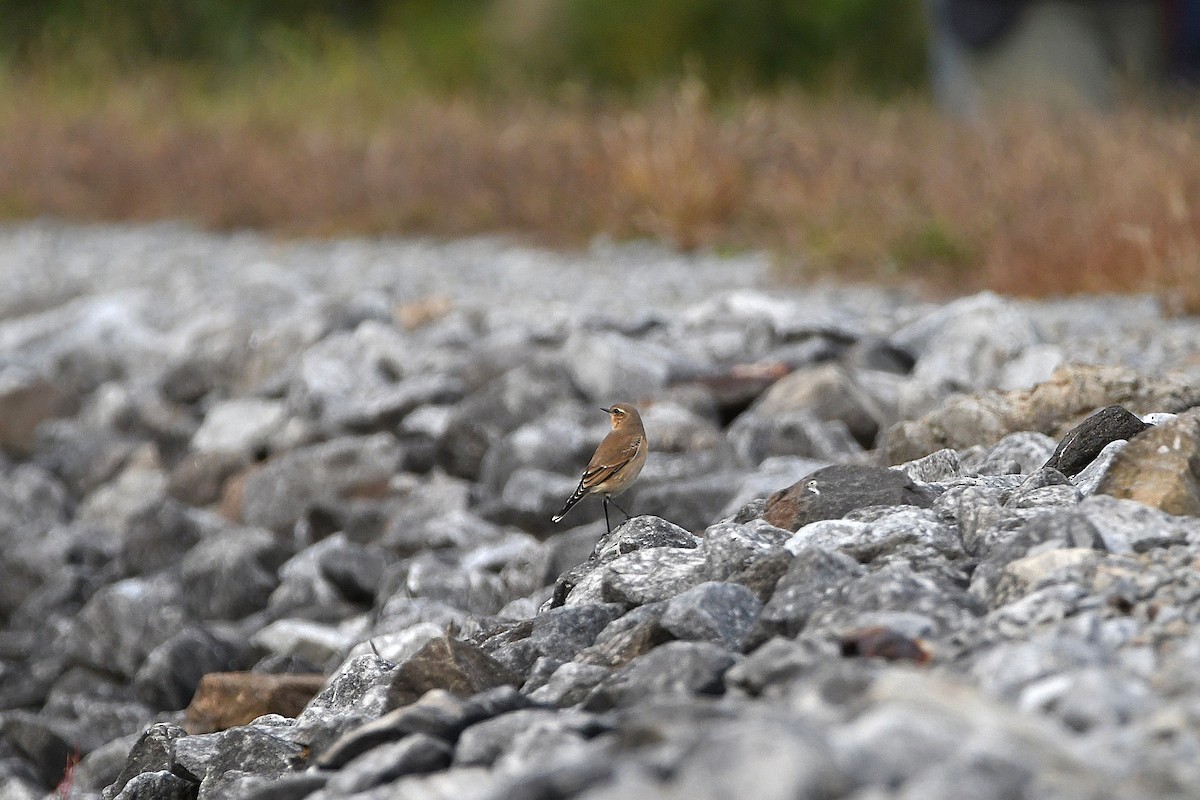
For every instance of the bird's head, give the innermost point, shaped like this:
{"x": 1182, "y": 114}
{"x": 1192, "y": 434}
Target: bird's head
{"x": 621, "y": 413}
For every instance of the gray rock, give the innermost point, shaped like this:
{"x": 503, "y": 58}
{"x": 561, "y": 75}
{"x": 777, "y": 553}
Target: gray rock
{"x": 570, "y": 684}
{"x": 756, "y": 437}
{"x": 692, "y": 503}
{"x": 722, "y": 613}
{"x": 981, "y": 775}
{"x": 290, "y": 485}
{"x": 942, "y": 465}
{"x": 764, "y": 756}
{"x": 169, "y": 676}
{"x": 154, "y": 751}
{"x": 482, "y": 419}
{"x": 914, "y": 533}
{"x": 560, "y": 633}
{"x": 608, "y": 367}
{"x": 156, "y": 536}
{"x": 765, "y": 480}
{"x": 242, "y": 425}
{"x": 288, "y": 787}
{"x": 554, "y": 444}
{"x": 530, "y": 499}
{"x": 45, "y": 744}
{"x": 82, "y": 456}
{"x": 418, "y": 753}
{"x": 645, "y": 576}
{"x": 637, "y": 534}
{"x": 353, "y": 686}
{"x": 483, "y": 743}
{"x": 1021, "y": 452}
{"x": 232, "y": 574}
{"x": 437, "y": 714}
{"x": 252, "y": 751}
{"x": 160, "y": 785}
{"x": 1034, "y": 365}
{"x": 1125, "y": 525}
{"x": 814, "y": 577}
{"x": 777, "y": 663}
{"x": 434, "y": 522}
{"x": 730, "y": 547}
{"x": 1088, "y": 699}
{"x": 832, "y": 492}
{"x": 101, "y": 767}
{"x": 828, "y": 391}
{"x": 634, "y": 634}
{"x": 1088, "y": 480}
{"x": 446, "y": 663}
{"x": 680, "y": 427}
{"x": 124, "y": 622}
{"x": 672, "y": 669}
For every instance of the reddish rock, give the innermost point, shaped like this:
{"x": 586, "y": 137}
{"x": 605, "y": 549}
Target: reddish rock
{"x": 228, "y": 699}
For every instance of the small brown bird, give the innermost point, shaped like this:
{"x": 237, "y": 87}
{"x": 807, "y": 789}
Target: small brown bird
{"x": 616, "y": 462}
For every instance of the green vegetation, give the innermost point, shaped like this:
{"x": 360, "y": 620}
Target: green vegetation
{"x": 485, "y": 45}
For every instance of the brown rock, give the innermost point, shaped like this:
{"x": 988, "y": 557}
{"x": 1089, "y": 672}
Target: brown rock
{"x": 1161, "y": 467}
{"x": 199, "y": 478}
{"x": 619, "y": 649}
{"x": 1073, "y": 392}
{"x": 458, "y": 667}
{"x": 228, "y": 699}
{"x": 26, "y": 401}
{"x": 880, "y": 641}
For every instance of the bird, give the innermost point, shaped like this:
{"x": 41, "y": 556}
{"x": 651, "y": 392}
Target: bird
{"x": 616, "y": 463}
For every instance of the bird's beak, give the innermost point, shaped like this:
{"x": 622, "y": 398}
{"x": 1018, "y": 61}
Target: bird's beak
{"x": 606, "y": 410}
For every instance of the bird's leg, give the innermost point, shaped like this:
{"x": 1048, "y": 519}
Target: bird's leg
{"x": 607, "y": 524}
{"x": 623, "y": 511}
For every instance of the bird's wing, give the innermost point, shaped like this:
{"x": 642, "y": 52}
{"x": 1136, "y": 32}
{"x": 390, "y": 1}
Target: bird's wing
{"x": 605, "y": 464}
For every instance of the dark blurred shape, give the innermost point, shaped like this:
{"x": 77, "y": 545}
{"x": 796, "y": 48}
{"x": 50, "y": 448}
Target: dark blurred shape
{"x": 882, "y": 642}
{"x": 1059, "y": 52}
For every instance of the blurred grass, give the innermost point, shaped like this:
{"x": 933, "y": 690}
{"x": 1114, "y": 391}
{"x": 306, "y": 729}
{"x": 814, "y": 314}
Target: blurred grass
{"x": 325, "y": 131}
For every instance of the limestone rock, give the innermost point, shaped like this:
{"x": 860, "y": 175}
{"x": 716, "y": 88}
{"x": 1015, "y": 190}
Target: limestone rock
{"x": 1161, "y": 467}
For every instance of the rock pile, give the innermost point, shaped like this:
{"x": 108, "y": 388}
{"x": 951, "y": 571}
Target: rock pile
{"x": 275, "y": 524}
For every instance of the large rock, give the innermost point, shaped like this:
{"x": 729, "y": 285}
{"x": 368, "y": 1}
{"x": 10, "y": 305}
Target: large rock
{"x": 833, "y": 492}
{"x": 1086, "y": 440}
{"x": 829, "y": 392}
{"x": 27, "y": 400}
{"x": 284, "y": 489}
{"x": 672, "y": 669}
{"x": 455, "y": 666}
{"x": 229, "y": 699}
{"x": 505, "y": 403}
{"x": 123, "y": 622}
{"x": 1161, "y": 467}
{"x": 243, "y": 426}
{"x": 1053, "y": 408}
{"x": 608, "y": 367}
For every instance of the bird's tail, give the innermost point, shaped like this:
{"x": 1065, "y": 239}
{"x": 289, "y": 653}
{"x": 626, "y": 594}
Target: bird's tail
{"x": 580, "y": 493}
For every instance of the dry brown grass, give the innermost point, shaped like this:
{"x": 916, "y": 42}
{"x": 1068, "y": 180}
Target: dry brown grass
{"x": 1031, "y": 203}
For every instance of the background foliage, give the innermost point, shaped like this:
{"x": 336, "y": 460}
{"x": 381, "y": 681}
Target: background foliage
{"x": 450, "y": 45}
